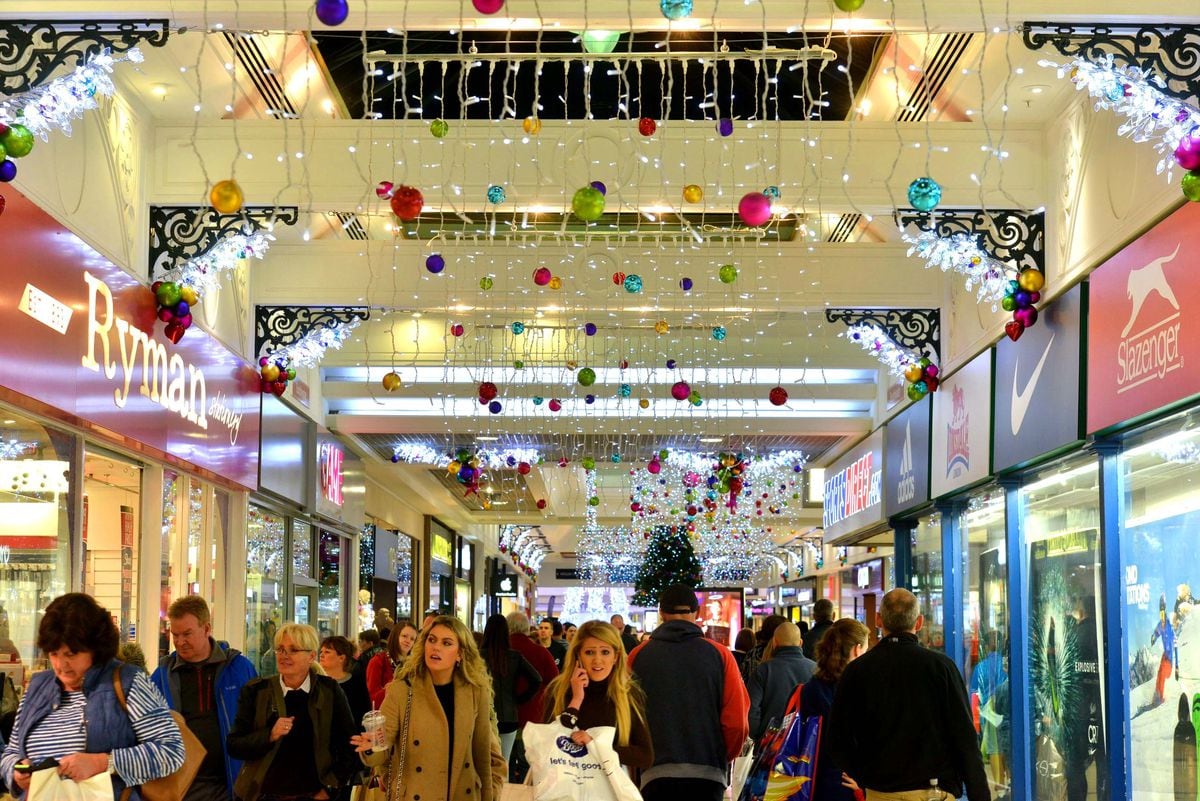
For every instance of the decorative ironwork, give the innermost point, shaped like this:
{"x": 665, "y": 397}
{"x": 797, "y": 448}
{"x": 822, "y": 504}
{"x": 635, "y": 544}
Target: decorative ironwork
{"x": 1170, "y": 51}
{"x": 1010, "y": 235}
{"x": 277, "y": 327}
{"x": 179, "y": 233}
{"x": 916, "y": 329}
{"x": 33, "y": 50}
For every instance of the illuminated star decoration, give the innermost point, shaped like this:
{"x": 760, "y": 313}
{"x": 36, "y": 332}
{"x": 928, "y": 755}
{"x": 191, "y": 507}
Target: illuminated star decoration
{"x": 202, "y": 273}
{"x": 53, "y": 106}
{"x": 1152, "y": 115}
{"x": 962, "y": 254}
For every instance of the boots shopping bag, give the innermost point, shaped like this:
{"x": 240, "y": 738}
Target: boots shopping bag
{"x": 562, "y": 770}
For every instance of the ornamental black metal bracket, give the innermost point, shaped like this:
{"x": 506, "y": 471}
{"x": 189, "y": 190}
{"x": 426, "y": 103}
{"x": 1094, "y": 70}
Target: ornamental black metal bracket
{"x": 179, "y": 233}
{"x": 915, "y": 329}
{"x": 276, "y": 327}
{"x": 1171, "y": 52}
{"x": 34, "y": 49}
{"x": 1010, "y": 235}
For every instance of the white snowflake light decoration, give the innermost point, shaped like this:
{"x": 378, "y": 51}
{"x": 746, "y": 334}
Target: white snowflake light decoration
{"x": 874, "y": 341}
{"x": 203, "y": 272}
{"x": 961, "y": 253}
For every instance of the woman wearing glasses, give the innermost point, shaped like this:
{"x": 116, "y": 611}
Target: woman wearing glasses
{"x": 293, "y": 730}
{"x": 441, "y": 738}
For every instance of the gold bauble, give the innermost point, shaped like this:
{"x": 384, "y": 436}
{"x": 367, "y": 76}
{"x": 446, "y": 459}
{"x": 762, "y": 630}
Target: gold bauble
{"x": 572, "y": 364}
{"x": 913, "y": 373}
{"x": 270, "y": 372}
{"x": 693, "y": 193}
{"x": 532, "y": 126}
{"x": 453, "y": 468}
{"x": 1031, "y": 280}
{"x": 188, "y": 295}
{"x": 556, "y": 283}
{"x": 661, "y": 327}
{"x": 644, "y": 403}
{"x": 226, "y": 197}
{"x": 391, "y": 382}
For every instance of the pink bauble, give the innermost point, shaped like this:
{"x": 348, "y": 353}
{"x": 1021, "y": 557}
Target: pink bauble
{"x": 1026, "y": 316}
{"x": 555, "y": 404}
{"x": 542, "y": 276}
{"x": 487, "y": 6}
{"x": 1188, "y": 152}
{"x": 680, "y": 391}
{"x": 384, "y": 189}
{"x": 755, "y": 209}
{"x": 931, "y": 371}
{"x": 654, "y": 467}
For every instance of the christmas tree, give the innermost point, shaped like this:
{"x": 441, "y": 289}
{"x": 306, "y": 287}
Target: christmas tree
{"x": 670, "y": 559}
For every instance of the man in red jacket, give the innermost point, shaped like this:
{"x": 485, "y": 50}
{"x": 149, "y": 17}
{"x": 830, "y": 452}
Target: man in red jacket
{"x": 534, "y": 708}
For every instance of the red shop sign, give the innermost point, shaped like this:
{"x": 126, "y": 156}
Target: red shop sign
{"x": 81, "y": 335}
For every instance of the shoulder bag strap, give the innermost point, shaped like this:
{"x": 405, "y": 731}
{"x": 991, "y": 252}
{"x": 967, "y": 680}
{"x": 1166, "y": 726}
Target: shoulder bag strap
{"x": 127, "y": 791}
{"x": 402, "y": 744}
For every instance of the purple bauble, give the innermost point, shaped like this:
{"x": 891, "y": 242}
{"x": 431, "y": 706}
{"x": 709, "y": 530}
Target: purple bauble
{"x": 589, "y": 399}
{"x": 685, "y": 284}
{"x": 182, "y": 309}
{"x": 670, "y": 364}
{"x": 8, "y": 170}
{"x": 1188, "y": 152}
{"x": 435, "y": 263}
{"x": 590, "y": 329}
{"x": 600, "y": 187}
{"x": 1026, "y": 316}
{"x": 755, "y": 209}
{"x": 725, "y": 126}
{"x": 332, "y": 12}
{"x": 494, "y": 407}
{"x": 1022, "y": 298}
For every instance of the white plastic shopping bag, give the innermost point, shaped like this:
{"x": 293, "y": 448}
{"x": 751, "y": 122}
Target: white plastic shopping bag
{"x": 47, "y": 785}
{"x": 564, "y": 771}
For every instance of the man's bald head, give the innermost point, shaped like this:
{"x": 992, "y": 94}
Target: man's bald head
{"x": 900, "y": 612}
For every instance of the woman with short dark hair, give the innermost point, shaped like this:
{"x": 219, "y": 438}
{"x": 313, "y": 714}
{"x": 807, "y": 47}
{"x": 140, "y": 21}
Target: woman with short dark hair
{"x": 336, "y": 658}
{"x": 73, "y": 713}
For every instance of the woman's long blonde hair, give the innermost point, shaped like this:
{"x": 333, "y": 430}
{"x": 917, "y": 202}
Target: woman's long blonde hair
{"x": 623, "y": 691}
{"x": 471, "y": 668}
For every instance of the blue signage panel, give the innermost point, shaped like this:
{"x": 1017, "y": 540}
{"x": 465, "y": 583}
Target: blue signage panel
{"x": 907, "y": 458}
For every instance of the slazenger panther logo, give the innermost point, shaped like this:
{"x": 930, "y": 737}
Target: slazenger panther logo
{"x": 570, "y": 747}
{"x": 1153, "y": 351}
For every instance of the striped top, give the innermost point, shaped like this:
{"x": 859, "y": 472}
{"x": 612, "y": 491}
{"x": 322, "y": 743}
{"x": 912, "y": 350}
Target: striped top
{"x": 63, "y": 732}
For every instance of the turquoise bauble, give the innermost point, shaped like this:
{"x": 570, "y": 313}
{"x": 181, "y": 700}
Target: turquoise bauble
{"x": 924, "y": 194}
{"x": 496, "y": 194}
{"x": 676, "y": 9}
{"x": 633, "y": 284}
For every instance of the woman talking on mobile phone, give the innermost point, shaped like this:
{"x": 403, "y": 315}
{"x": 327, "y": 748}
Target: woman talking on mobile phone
{"x": 596, "y": 688}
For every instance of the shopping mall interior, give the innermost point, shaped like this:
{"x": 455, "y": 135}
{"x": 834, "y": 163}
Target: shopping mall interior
{"x": 317, "y": 309}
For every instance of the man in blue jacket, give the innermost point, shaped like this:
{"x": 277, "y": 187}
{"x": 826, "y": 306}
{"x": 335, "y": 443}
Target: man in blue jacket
{"x": 202, "y": 680}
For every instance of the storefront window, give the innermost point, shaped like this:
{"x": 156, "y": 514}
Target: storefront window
{"x": 1161, "y": 515}
{"x": 195, "y": 541}
{"x": 172, "y": 519}
{"x": 35, "y": 551}
{"x": 302, "y": 549}
{"x": 985, "y": 614}
{"x": 863, "y": 585}
{"x": 265, "y": 571}
{"x": 927, "y": 579}
{"x": 404, "y": 576}
{"x": 112, "y": 490}
{"x": 329, "y": 593}
{"x": 1066, "y": 575}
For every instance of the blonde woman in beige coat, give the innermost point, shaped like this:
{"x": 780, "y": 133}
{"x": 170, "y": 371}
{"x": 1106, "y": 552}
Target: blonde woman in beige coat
{"x": 447, "y": 681}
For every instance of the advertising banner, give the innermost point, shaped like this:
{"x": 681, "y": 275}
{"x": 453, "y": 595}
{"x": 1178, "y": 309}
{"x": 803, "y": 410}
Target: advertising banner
{"x": 854, "y": 489}
{"x": 907, "y": 472}
{"x": 962, "y": 414}
{"x": 1142, "y": 352}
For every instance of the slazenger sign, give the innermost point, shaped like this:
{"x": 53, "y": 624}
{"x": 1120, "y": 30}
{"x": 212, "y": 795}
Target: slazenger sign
{"x": 87, "y": 342}
{"x": 1149, "y": 296}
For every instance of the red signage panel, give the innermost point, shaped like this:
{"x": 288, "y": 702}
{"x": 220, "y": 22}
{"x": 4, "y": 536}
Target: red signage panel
{"x": 81, "y": 335}
{"x": 1144, "y": 332}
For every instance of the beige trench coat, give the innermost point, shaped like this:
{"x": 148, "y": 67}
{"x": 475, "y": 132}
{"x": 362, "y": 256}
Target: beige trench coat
{"x": 477, "y": 770}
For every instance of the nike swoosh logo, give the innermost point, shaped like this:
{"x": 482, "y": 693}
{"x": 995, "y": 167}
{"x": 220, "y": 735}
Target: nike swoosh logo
{"x": 1020, "y": 400}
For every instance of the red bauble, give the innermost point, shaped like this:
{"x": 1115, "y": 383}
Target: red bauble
{"x": 488, "y": 391}
{"x": 1014, "y": 330}
{"x": 523, "y": 468}
{"x": 407, "y": 203}
{"x": 778, "y": 396}
{"x": 457, "y": 329}
{"x": 618, "y": 278}
{"x": 931, "y": 382}
{"x": 647, "y": 126}
{"x": 174, "y": 332}
{"x": 279, "y": 387}
{"x": 541, "y": 504}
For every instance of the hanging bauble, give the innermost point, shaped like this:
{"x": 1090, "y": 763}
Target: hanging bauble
{"x": 681, "y": 391}
{"x": 384, "y": 189}
{"x": 647, "y": 126}
{"x": 555, "y": 282}
{"x": 434, "y": 263}
{"x": 523, "y": 468}
{"x": 589, "y": 398}
{"x": 1008, "y": 302}
{"x": 407, "y": 202}
{"x": 624, "y": 390}
{"x": 849, "y": 5}
{"x": 542, "y": 276}
{"x": 1187, "y": 154}
{"x": 1031, "y": 279}
{"x": 541, "y": 503}
{"x": 270, "y": 372}
{"x": 1026, "y": 316}
{"x": 644, "y": 403}
{"x": 675, "y": 9}
{"x": 654, "y": 467}
{"x": 588, "y": 203}
{"x": 496, "y": 194}
{"x": 728, "y": 273}
{"x": 8, "y": 170}
{"x": 772, "y": 192}
{"x": 661, "y": 327}
{"x": 532, "y": 126}
{"x": 616, "y": 458}
{"x": 599, "y": 187}
{"x": 685, "y": 284}
{"x": 1190, "y": 185}
{"x": 718, "y": 333}
{"x": 913, "y": 393}
{"x": 670, "y": 364}
{"x": 488, "y": 7}
{"x": 488, "y": 390}
{"x": 754, "y": 209}
{"x": 391, "y": 382}
{"x": 1021, "y": 297}
{"x": 226, "y": 197}
{"x": 924, "y": 194}
{"x": 555, "y": 404}
{"x": 457, "y": 329}
{"x": 538, "y": 400}
{"x": 332, "y": 12}
{"x": 439, "y": 128}
{"x": 188, "y": 295}
{"x": 618, "y": 278}
{"x": 778, "y": 396}
{"x": 588, "y": 463}
{"x": 913, "y": 373}
{"x": 517, "y": 328}
{"x": 518, "y": 364}
{"x": 586, "y": 377}
{"x": 485, "y": 283}
{"x": 725, "y": 126}
{"x": 17, "y": 141}
{"x": 693, "y": 193}
{"x": 168, "y": 294}
{"x": 572, "y": 364}
{"x": 633, "y": 284}
{"x": 590, "y": 329}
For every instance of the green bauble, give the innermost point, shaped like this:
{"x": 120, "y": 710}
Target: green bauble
{"x": 588, "y": 204}
{"x": 728, "y": 273}
{"x": 589, "y": 463}
{"x": 18, "y": 141}
{"x": 1190, "y": 185}
{"x": 439, "y": 128}
{"x": 168, "y": 294}
{"x": 913, "y": 393}
{"x": 485, "y": 283}
{"x": 849, "y": 5}
{"x": 1008, "y": 303}
{"x": 586, "y": 377}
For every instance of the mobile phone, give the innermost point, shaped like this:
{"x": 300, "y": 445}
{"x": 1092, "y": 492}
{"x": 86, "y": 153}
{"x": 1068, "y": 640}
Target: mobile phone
{"x": 27, "y": 767}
